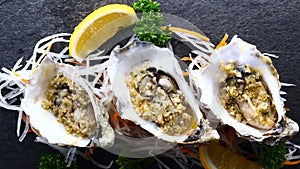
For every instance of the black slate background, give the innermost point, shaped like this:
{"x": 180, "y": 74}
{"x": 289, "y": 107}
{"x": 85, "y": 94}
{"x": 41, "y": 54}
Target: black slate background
{"x": 272, "y": 25}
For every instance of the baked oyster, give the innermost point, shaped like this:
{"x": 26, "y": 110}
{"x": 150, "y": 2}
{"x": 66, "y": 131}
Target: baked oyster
{"x": 241, "y": 87}
{"x": 63, "y": 109}
{"x": 152, "y": 92}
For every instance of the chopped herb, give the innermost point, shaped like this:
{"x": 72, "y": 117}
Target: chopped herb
{"x": 136, "y": 163}
{"x": 149, "y": 27}
{"x": 272, "y": 157}
{"x": 265, "y": 113}
{"x": 57, "y": 161}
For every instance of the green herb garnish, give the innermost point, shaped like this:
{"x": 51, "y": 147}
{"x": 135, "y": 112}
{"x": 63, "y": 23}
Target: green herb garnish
{"x": 149, "y": 27}
{"x": 265, "y": 113}
{"x": 55, "y": 161}
{"x": 134, "y": 163}
{"x": 272, "y": 157}
{"x": 146, "y": 6}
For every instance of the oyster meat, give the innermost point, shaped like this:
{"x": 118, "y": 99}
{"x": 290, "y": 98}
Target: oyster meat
{"x": 244, "y": 94}
{"x": 152, "y": 92}
{"x": 63, "y": 109}
{"x": 241, "y": 87}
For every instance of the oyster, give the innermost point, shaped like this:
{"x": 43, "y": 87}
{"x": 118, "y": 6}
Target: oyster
{"x": 63, "y": 109}
{"x": 151, "y": 91}
{"x": 242, "y": 88}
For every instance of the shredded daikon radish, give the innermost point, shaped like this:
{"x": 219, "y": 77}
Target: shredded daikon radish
{"x": 21, "y": 138}
{"x": 38, "y": 49}
{"x": 19, "y": 123}
{"x": 286, "y": 84}
{"x": 70, "y": 152}
{"x": 270, "y": 55}
{"x": 292, "y": 149}
{"x": 70, "y": 156}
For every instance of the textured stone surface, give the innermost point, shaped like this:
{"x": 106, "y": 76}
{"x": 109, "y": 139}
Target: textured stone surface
{"x": 272, "y": 25}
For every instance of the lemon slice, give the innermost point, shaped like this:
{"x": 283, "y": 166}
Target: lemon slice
{"x": 98, "y": 27}
{"x": 214, "y": 156}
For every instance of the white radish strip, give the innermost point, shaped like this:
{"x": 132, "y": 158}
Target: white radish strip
{"x": 25, "y": 130}
{"x": 19, "y": 123}
{"x": 70, "y": 156}
{"x": 270, "y": 55}
{"x": 17, "y": 64}
{"x": 282, "y": 93}
{"x": 286, "y": 84}
{"x": 10, "y": 107}
{"x": 32, "y": 60}
{"x": 1, "y": 87}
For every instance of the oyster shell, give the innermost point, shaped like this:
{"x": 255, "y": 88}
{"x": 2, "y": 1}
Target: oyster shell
{"x": 63, "y": 109}
{"x": 151, "y": 91}
{"x": 242, "y": 88}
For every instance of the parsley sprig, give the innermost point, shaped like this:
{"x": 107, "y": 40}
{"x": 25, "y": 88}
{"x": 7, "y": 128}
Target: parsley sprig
{"x": 136, "y": 163}
{"x": 146, "y": 6}
{"x": 149, "y": 27}
{"x": 272, "y": 157}
{"x": 57, "y": 161}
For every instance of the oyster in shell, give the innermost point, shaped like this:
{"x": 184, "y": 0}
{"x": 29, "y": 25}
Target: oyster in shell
{"x": 242, "y": 88}
{"x": 152, "y": 92}
{"x": 63, "y": 109}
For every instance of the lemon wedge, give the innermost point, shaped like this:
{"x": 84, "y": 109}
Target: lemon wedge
{"x": 98, "y": 27}
{"x": 214, "y": 156}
